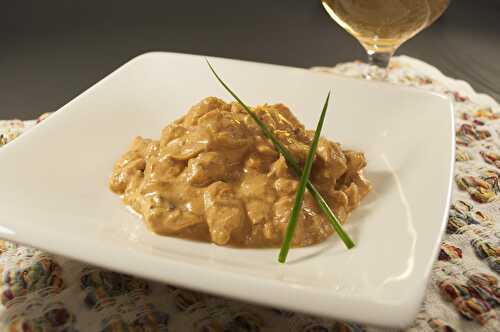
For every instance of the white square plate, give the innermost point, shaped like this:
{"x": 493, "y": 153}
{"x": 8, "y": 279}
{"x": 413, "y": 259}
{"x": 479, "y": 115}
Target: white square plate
{"x": 54, "y": 193}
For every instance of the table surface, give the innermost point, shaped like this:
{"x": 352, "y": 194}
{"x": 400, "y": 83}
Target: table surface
{"x": 51, "y": 51}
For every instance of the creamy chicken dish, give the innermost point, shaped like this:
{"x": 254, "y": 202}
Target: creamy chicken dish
{"x": 214, "y": 176}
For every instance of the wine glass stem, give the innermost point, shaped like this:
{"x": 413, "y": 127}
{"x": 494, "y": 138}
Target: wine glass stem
{"x": 379, "y": 59}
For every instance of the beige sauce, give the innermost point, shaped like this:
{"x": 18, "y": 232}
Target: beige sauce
{"x": 213, "y": 176}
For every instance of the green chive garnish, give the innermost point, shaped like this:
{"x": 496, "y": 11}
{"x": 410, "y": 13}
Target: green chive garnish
{"x": 292, "y": 222}
{"x": 294, "y": 166}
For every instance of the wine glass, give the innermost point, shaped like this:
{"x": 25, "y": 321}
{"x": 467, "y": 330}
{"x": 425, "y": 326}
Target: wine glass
{"x": 381, "y": 26}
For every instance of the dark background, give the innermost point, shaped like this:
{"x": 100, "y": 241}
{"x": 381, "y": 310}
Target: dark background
{"x": 52, "y": 50}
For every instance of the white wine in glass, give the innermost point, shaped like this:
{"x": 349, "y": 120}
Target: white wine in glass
{"x": 381, "y": 26}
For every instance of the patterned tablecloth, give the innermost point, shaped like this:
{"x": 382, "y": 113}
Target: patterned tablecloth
{"x": 44, "y": 292}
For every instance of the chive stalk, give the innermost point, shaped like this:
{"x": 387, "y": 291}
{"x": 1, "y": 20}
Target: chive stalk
{"x": 294, "y": 216}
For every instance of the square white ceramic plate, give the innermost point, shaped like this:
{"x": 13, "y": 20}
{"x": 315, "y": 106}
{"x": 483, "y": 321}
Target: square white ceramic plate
{"x": 54, "y": 194}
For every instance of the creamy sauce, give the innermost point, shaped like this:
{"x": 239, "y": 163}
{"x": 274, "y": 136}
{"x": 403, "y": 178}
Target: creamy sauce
{"x": 213, "y": 176}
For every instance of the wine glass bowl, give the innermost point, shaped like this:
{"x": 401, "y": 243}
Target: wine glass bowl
{"x": 381, "y": 26}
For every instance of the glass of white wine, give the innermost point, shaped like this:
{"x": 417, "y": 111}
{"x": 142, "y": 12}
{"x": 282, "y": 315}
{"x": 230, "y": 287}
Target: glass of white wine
{"x": 381, "y": 26}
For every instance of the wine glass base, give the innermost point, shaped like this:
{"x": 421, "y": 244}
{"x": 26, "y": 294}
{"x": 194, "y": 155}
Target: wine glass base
{"x": 375, "y": 73}
{"x": 377, "y": 65}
